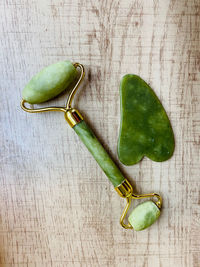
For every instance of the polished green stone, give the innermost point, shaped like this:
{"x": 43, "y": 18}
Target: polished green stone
{"x": 99, "y": 153}
{"x": 49, "y": 82}
{"x": 145, "y": 129}
{"x": 144, "y": 215}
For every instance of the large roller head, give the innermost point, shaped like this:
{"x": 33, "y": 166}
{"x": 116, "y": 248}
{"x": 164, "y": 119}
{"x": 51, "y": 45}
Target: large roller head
{"x": 49, "y": 82}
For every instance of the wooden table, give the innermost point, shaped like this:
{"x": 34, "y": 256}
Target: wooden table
{"x": 57, "y": 207}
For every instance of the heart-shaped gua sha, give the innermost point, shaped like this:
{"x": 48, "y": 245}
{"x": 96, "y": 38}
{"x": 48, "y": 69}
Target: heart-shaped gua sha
{"x": 145, "y": 129}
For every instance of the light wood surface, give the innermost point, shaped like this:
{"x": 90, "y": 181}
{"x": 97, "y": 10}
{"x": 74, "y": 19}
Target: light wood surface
{"x": 57, "y": 207}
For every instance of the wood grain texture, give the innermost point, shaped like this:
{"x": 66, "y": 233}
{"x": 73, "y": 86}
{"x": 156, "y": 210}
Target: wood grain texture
{"x": 57, "y": 208}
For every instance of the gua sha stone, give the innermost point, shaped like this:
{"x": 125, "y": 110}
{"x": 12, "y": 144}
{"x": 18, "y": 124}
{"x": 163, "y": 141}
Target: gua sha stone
{"x": 145, "y": 129}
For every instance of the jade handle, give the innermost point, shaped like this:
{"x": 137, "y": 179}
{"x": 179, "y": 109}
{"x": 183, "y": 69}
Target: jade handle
{"x": 99, "y": 153}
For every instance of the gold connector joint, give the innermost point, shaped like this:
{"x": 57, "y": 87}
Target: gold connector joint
{"x": 73, "y": 117}
{"x": 124, "y": 189}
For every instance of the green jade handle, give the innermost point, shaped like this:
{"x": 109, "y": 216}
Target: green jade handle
{"x": 99, "y": 153}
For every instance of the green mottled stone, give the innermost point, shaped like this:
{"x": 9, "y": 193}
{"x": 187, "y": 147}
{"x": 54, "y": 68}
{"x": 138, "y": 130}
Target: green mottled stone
{"x": 144, "y": 215}
{"x": 49, "y": 82}
{"x": 99, "y": 153}
{"x": 145, "y": 129}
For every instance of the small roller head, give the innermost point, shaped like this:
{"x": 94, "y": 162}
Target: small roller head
{"x": 144, "y": 215}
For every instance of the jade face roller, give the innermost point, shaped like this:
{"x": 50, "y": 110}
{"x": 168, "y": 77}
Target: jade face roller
{"x": 46, "y": 85}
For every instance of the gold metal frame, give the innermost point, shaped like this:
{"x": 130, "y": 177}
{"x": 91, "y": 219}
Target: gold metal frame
{"x": 125, "y": 190}
{"x": 72, "y": 115}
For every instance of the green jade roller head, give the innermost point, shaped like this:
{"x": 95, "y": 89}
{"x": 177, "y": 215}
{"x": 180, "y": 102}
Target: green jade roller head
{"x": 49, "y": 83}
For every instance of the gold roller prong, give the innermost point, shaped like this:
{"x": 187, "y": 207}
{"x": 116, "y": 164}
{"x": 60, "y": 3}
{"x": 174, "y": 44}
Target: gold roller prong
{"x": 74, "y": 90}
{"x": 37, "y": 110}
{"x": 158, "y": 202}
{"x": 126, "y": 226}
